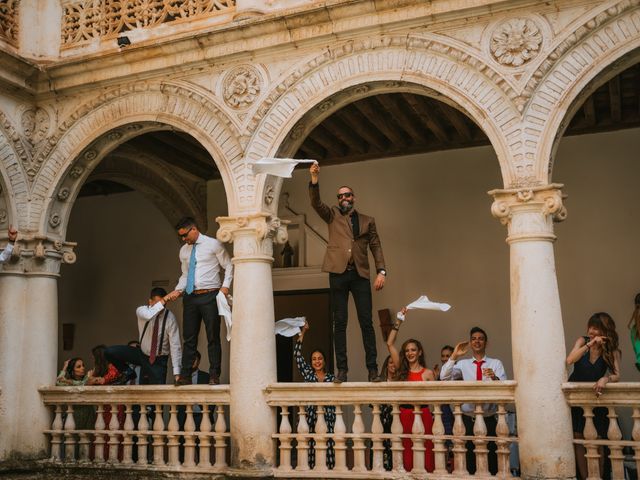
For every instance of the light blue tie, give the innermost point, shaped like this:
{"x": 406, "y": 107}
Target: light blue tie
{"x": 191, "y": 274}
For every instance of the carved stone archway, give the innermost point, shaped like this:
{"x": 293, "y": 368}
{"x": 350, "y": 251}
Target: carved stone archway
{"x": 419, "y": 63}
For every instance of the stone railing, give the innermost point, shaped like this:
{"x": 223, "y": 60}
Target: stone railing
{"x": 9, "y": 21}
{"x": 618, "y": 399}
{"x": 373, "y": 445}
{"x": 85, "y": 21}
{"x": 150, "y": 427}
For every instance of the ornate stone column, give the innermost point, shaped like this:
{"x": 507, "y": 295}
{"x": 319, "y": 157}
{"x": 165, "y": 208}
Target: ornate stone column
{"x": 252, "y": 363}
{"x": 29, "y": 342}
{"x": 536, "y": 330}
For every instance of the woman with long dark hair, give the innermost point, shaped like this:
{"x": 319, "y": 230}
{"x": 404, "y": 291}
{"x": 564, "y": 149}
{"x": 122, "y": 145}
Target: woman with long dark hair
{"x": 316, "y": 371}
{"x": 73, "y": 374}
{"x": 411, "y": 367}
{"x": 595, "y": 358}
{"x": 634, "y": 330}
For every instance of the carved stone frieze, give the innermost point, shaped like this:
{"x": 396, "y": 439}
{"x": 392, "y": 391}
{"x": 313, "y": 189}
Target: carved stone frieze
{"x": 515, "y": 41}
{"x": 252, "y": 236}
{"x": 36, "y": 124}
{"x": 39, "y": 255}
{"x": 529, "y": 213}
{"x": 241, "y": 87}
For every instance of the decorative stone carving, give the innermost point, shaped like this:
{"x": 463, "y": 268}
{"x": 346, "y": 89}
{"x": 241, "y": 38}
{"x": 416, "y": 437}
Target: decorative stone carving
{"x": 241, "y": 87}
{"x": 297, "y": 131}
{"x": 35, "y": 123}
{"x": 54, "y": 220}
{"x": 326, "y": 105}
{"x": 269, "y": 195}
{"x": 9, "y": 21}
{"x": 253, "y": 236}
{"x": 63, "y": 194}
{"x": 40, "y": 254}
{"x": 76, "y": 171}
{"x": 3, "y": 217}
{"x": 515, "y": 41}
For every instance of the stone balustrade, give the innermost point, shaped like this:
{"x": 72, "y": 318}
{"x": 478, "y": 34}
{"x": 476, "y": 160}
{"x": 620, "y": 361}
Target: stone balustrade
{"x": 616, "y": 398}
{"x": 359, "y": 440}
{"x": 155, "y": 427}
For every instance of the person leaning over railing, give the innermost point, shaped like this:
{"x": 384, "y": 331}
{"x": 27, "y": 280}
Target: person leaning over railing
{"x": 634, "y": 330}
{"x": 316, "y": 371}
{"x": 73, "y": 374}
{"x": 411, "y": 367}
{"x": 595, "y": 358}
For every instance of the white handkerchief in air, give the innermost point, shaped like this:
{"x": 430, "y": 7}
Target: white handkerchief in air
{"x": 224, "y": 310}
{"x": 280, "y": 167}
{"x": 400, "y": 316}
{"x": 288, "y": 327}
{"x": 423, "y": 303}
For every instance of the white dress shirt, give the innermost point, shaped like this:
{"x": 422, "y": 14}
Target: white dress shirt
{"x": 5, "y": 255}
{"x": 465, "y": 369}
{"x": 171, "y": 344}
{"x": 210, "y": 257}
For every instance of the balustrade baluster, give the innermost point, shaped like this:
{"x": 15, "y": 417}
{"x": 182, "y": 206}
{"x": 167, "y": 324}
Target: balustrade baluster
{"x": 481, "y": 451}
{"x": 459, "y": 445}
{"x": 114, "y": 426}
{"x": 359, "y": 449}
{"x": 635, "y": 434}
{"x": 285, "y": 439}
{"x": 189, "y": 439}
{"x": 69, "y": 436}
{"x": 418, "y": 448}
{"x": 439, "y": 447}
{"x": 101, "y": 437}
{"x": 158, "y": 437}
{"x": 502, "y": 432}
{"x": 302, "y": 445}
{"x": 321, "y": 441}
{"x": 396, "y": 441}
{"x": 377, "y": 430}
{"x": 204, "y": 451}
{"x": 616, "y": 456}
{"x": 142, "y": 441}
{"x": 56, "y": 436}
{"x": 127, "y": 438}
{"x": 173, "y": 438}
{"x": 592, "y": 455}
{"x": 221, "y": 444}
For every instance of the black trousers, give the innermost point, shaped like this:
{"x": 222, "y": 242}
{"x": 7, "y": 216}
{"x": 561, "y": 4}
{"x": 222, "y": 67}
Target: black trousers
{"x": 121, "y": 355}
{"x": 197, "y": 308}
{"x": 341, "y": 284}
{"x": 491, "y": 422}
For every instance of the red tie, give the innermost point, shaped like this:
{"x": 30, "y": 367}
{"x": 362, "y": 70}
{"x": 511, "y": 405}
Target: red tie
{"x": 478, "y": 369}
{"x": 154, "y": 341}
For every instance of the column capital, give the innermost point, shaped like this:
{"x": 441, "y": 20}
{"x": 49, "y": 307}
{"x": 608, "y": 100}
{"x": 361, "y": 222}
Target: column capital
{"x": 529, "y": 213}
{"x": 252, "y": 235}
{"x": 39, "y": 255}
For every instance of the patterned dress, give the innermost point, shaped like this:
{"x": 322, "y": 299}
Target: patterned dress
{"x": 329, "y": 412}
{"x": 386, "y": 417}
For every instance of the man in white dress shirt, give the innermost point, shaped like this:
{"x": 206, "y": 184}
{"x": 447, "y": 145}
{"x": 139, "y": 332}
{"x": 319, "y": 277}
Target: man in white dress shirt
{"x": 5, "y": 255}
{"x": 479, "y": 368}
{"x": 159, "y": 338}
{"x": 202, "y": 258}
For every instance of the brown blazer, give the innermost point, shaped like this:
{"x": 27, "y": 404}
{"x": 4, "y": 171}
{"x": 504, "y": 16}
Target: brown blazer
{"x": 342, "y": 244}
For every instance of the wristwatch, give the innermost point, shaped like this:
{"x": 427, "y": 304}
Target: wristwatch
{"x": 383, "y": 272}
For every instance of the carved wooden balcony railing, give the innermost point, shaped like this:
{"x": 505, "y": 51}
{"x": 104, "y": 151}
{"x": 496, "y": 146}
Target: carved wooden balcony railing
{"x": 155, "y": 427}
{"x": 9, "y": 21}
{"x": 359, "y": 441}
{"x": 616, "y": 398}
{"x": 85, "y": 21}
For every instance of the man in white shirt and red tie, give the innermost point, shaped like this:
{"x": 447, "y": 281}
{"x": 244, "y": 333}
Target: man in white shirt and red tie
{"x": 480, "y": 368}
{"x": 202, "y": 258}
{"x": 159, "y": 338}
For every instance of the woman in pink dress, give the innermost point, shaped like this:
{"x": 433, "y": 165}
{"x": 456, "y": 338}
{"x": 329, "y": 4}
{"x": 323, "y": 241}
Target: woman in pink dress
{"x": 411, "y": 367}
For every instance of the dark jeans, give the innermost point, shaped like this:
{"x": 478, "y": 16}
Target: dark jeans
{"x": 491, "y": 422}
{"x": 341, "y": 284}
{"x": 121, "y": 355}
{"x": 196, "y": 308}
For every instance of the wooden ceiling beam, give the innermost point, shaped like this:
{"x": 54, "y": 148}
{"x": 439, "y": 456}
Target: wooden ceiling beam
{"x": 389, "y": 102}
{"x": 179, "y": 142}
{"x": 382, "y": 122}
{"x": 337, "y": 127}
{"x": 589, "y": 110}
{"x": 421, "y": 111}
{"x": 333, "y": 145}
{"x": 615, "y": 99}
{"x": 316, "y": 150}
{"x": 363, "y": 127}
{"x": 456, "y": 119}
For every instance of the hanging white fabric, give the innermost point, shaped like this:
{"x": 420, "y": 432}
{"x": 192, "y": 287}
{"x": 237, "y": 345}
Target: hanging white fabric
{"x": 423, "y": 303}
{"x": 288, "y": 327}
{"x": 224, "y": 310}
{"x": 280, "y": 167}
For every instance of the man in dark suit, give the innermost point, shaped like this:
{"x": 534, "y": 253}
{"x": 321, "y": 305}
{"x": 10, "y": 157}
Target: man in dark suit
{"x": 351, "y": 233}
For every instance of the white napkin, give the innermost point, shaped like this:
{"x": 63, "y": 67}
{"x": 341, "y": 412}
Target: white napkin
{"x": 280, "y": 167}
{"x": 224, "y": 310}
{"x": 423, "y": 303}
{"x": 288, "y": 327}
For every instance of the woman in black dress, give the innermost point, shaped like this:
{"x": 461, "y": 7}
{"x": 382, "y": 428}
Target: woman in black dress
{"x": 595, "y": 358}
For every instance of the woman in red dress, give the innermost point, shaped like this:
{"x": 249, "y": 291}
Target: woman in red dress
{"x": 411, "y": 367}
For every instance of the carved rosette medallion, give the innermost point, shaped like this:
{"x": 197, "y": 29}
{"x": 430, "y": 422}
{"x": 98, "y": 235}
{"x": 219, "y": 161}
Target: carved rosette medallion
{"x": 516, "y": 41}
{"x": 241, "y": 87}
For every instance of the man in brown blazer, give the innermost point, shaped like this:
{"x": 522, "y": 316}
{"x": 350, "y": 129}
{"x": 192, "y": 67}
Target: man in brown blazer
{"x": 347, "y": 261}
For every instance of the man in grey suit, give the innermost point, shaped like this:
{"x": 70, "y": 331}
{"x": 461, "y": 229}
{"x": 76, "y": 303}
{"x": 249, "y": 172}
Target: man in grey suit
{"x": 351, "y": 234}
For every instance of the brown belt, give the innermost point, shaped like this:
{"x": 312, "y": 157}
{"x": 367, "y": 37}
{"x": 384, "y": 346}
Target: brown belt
{"x": 202, "y": 291}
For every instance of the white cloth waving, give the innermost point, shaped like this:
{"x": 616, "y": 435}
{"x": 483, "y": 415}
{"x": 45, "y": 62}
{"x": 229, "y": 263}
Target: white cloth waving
{"x": 288, "y": 327}
{"x": 224, "y": 310}
{"x": 423, "y": 303}
{"x": 280, "y": 167}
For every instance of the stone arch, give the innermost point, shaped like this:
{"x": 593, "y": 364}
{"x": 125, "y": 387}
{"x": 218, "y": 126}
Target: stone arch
{"x": 111, "y": 120}
{"x": 601, "y": 48}
{"x": 422, "y": 63}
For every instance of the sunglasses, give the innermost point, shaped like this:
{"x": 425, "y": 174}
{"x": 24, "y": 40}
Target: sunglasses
{"x": 344, "y": 195}
{"x": 184, "y": 235}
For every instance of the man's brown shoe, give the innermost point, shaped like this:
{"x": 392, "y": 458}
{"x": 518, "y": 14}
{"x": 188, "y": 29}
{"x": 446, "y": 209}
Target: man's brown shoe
{"x": 182, "y": 380}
